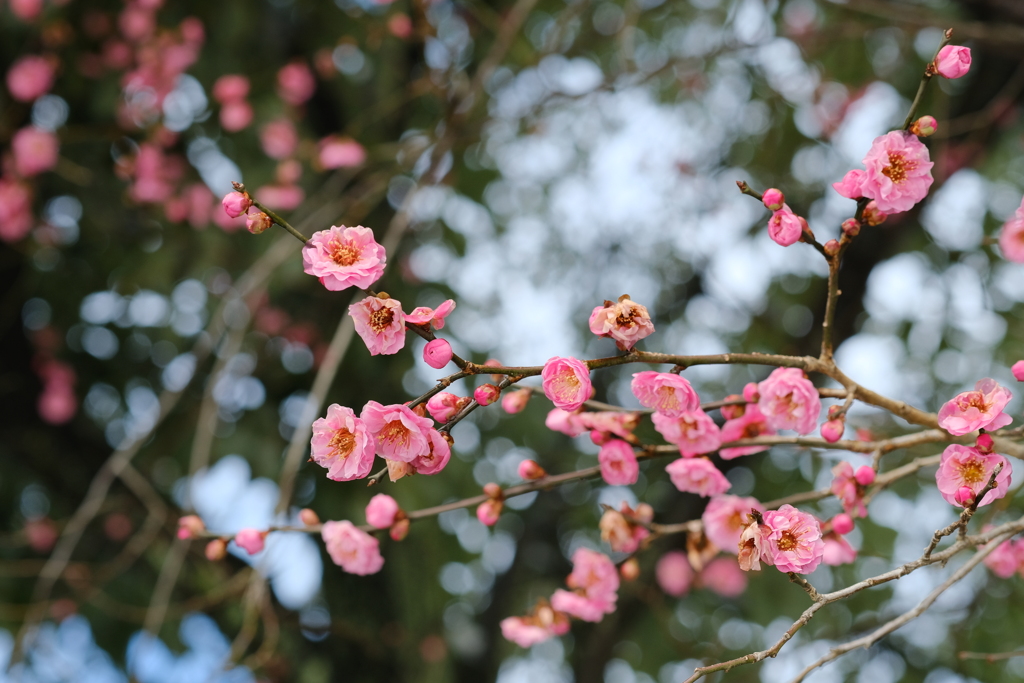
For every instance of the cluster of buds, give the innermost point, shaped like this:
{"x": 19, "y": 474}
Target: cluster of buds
{"x": 238, "y": 203}
{"x": 489, "y": 511}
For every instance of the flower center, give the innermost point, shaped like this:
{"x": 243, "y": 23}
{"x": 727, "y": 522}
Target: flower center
{"x": 898, "y": 167}
{"x": 668, "y": 398}
{"x": 787, "y": 542}
{"x": 752, "y": 429}
{"x": 380, "y": 319}
{"x": 973, "y": 399}
{"x": 394, "y": 433}
{"x": 344, "y": 254}
{"x": 625, "y": 318}
{"x": 972, "y": 472}
{"x": 342, "y": 443}
{"x": 566, "y": 384}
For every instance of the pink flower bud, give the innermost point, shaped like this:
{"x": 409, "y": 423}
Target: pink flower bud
{"x": 235, "y": 204}
{"x": 530, "y": 470}
{"x": 864, "y": 475}
{"x": 872, "y": 215}
{"x": 773, "y": 199}
{"x": 985, "y": 444}
{"x": 216, "y": 549}
{"x": 851, "y": 227}
{"x": 382, "y": 511}
{"x": 399, "y": 530}
{"x": 514, "y": 401}
{"x": 833, "y": 430}
{"x": 785, "y": 227}
{"x": 953, "y": 61}
{"x": 630, "y": 569}
{"x": 924, "y": 126}
{"x": 832, "y": 247}
{"x": 486, "y": 394}
{"x": 751, "y": 394}
{"x": 1018, "y": 370}
{"x": 600, "y": 438}
{"x": 250, "y": 540}
{"x": 190, "y": 526}
{"x": 494, "y": 363}
{"x": 842, "y": 524}
{"x": 833, "y": 411}
{"x": 964, "y": 496}
{"x": 308, "y": 517}
{"x": 257, "y": 222}
{"x": 731, "y": 412}
{"x": 489, "y": 511}
{"x": 437, "y": 353}
{"x": 492, "y": 490}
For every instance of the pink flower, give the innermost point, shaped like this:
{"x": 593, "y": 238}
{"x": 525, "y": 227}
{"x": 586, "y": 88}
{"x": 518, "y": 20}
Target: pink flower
{"x": 837, "y": 550}
{"x": 898, "y": 171}
{"x": 381, "y": 511}
{"x": 235, "y": 116}
{"x": 336, "y": 152}
{"x": 832, "y": 430}
{"x": 784, "y": 227}
{"x": 567, "y": 423}
{"x": 235, "y": 204}
{"x": 250, "y": 540}
{"x": 295, "y": 83}
{"x": 595, "y": 582}
{"x": 963, "y": 466}
{"x": 342, "y": 444}
{"x": 752, "y": 546}
{"x": 694, "y": 432}
{"x": 30, "y": 78}
{"x": 697, "y": 475}
{"x": 852, "y": 184}
{"x": 566, "y": 382}
{"x": 1005, "y": 560}
{"x": 35, "y": 150}
{"x": 355, "y": 551}
{"x": 674, "y": 573}
{"x": 793, "y": 540}
{"x": 953, "y": 61}
{"x": 665, "y": 392}
{"x": 437, "y": 353}
{"x": 397, "y": 432}
{"x": 380, "y": 324}
{"x": 1018, "y": 370}
{"x": 618, "y": 463}
{"x": 623, "y": 534}
{"x": 726, "y": 517}
{"x": 230, "y": 88}
{"x": 751, "y": 424}
{"x": 723, "y": 576}
{"x": 847, "y": 489}
{"x": 436, "y": 459}
{"x": 624, "y": 321}
{"x": 421, "y": 315}
{"x": 610, "y": 422}
{"x": 789, "y": 401}
{"x": 443, "y": 406}
{"x": 15, "y": 209}
{"x": 514, "y": 401}
{"x": 773, "y": 199}
{"x": 978, "y": 409}
{"x": 1011, "y": 240}
{"x": 279, "y": 139}
{"x": 530, "y": 630}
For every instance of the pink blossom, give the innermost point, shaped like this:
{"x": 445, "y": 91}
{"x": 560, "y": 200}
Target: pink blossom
{"x": 865, "y": 475}
{"x": 622, "y": 534}
{"x": 190, "y": 526}
{"x": 443, "y": 406}
{"x": 342, "y": 444}
{"x": 978, "y": 409}
{"x": 30, "y": 77}
{"x": 400, "y": 25}
{"x": 595, "y": 583}
{"x": 216, "y": 550}
{"x": 847, "y": 489}
{"x": 953, "y": 61}
{"x": 531, "y": 470}
{"x": 436, "y": 458}
{"x": 235, "y": 204}
{"x": 397, "y": 432}
{"x": 230, "y": 88}
{"x": 489, "y": 511}
{"x": 515, "y": 401}
{"x": 35, "y": 150}
{"x": 567, "y": 423}
{"x": 566, "y": 382}
{"x": 279, "y": 139}
{"x": 789, "y": 401}
{"x": 610, "y": 422}
{"x": 725, "y": 518}
{"x": 723, "y": 576}
{"x": 624, "y": 321}
{"x": 1011, "y": 240}
{"x": 694, "y": 432}
{"x": 963, "y": 466}
{"x": 528, "y": 631}
{"x": 837, "y": 550}
{"x": 697, "y": 475}
{"x": 15, "y": 209}
{"x": 1005, "y": 560}
{"x": 336, "y": 152}
{"x": 421, "y": 315}
{"x": 852, "y": 184}
{"x": 665, "y": 392}
{"x": 57, "y": 404}
{"x": 842, "y": 524}
{"x": 355, "y": 551}
{"x": 398, "y": 469}
{"x": 295, "y": 83}
{"x": 380, "y": 324}
{"x": 26, "y": 10}
{"x": 898, "y": 171}
{"x": 832, "y": 430}
{"x": 752, "y": 546}
{"x": 486, "y": 394}
{"x": 793, "y": 540}
{"x": 282, "y": 197}
{"x": 1018, "y": 370}
{"x": 258, "y": 222}
{"x": 235, "y": 116}
{"x": 618, "y": 463}
{"x": 381, "y": 511}
{"x": 784, "y": 227}
{"x": 250, "y": 540}
{"x": 751, "y": 392}
{"x": 773, "y": 199}
{"x": 437, "y": 353}
{"x": 751, "y": 424}
{"x": 674, "y": 573}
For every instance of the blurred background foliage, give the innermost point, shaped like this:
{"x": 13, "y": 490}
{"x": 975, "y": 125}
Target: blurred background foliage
{"x": 550, "y": 155}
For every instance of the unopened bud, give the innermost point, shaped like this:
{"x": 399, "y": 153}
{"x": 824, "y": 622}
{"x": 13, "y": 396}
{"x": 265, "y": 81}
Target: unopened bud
{"x": 398, "y": 469}
{"x": 872, "y": 215}
{"x": 257, "y": 222}
{"x": 630, "y": 570}
{"x": 833, "y": 430}
{"x": 236, "y": 203}
{"x": 731, "y": 412}
{"x": 751, "y": 393}
{"x": 924, "y": 126}
{"x": 985, "y": 444}
{"x": 842, "y": 524}
{"x": 494, "y": 363}
{"x": 489, "y": 511}
{"x": 851, "y": 227}
{"x": 420, "y": 410}
{"x": 486, "y": 394}
{"x": 600, "y": 438}
{"x": 217, "y": 549}
{"x": 399, "y": 530}
{"x": 492, "y": 490}
{"x": 514, "y": 401}
{"x": 832, "y": 247}
{"x": 437, "y": 353}
{"x": 864, "y": 475}
{"x": 964, "y": 496}
{"x": 308, "y": 517}
{"x": 190, "y": 526}
{"x": 773, "y": 199}
{"x": 1018, "y": 370}
{"x": 530, "y": 470}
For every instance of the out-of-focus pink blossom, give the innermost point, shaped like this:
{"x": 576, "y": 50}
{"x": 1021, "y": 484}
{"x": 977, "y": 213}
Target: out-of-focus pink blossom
{"x": 535, "y": 628}
{"x": 279, "y": 139}
{"x": 773, "y": 199}
{"x": 422, "y": 315}
{"x": 230, "y": 88}
{"x": 832, "y": 430}
{"x": 400, "y": 25}
{"x": 697, "y": 475}
{"x": 852, "y": 184}
{"x": 486, "y": 394}
{"x": 624, "y": 321}
{"x": 437, "y": 353}
{"x": 978, "y": 409}
{"x": 793, "y": 540}
{"x": 953, "y": 61}
{"x": 30, "y": 77}
{"x": 444, "y": 405}
{"x": 41, "y": 534}
{"x": 381, "y": 511}
{"x": 694, "y": 432}
{"x": 1006, "y": 559}
{"x": 342, "y": 444}
{"x": 280, "y": 197}
{"x": 789, "y": 401}
{"x": 216, "y": 550}
{"x": 295, "y": 83}
{"x": 842, "y": 524}
{"x": 515, "y": 401}
{"x": 837, "y": 550}
{"x": 35, "y": 150}
{"x": 258, "y": 222}
{"x": 665, "y": 392}
{"x": 622, "y": 534}
{"x": 26, "y": 10}
{"x": 963, "y": 466}
{"x": 15, "y": 209}
{"x": 865, "y": 475}
{"x": 338, "y": 152}
{"x": 1018, "y": 370}
{"x": 725, "y": 518}
{"x": 784, "y": 227}
{"x": 436, "y": 458}
{"x": 250, "y": 540}
{"x": 674, "y": 573}
{"x": 751, "y": 424}
{"x": 723, "y": 575}
{"x": 566, "y": 382}
{"x": 567, "y": 423}
{"x": 308, "y": 517}
{"x": 530, "y": 470}
{"x": 190, "y": 526}
{"x": 397, "y": 432}
{"x": 236, "y": 204}
{"x": 379, "y": 323}
{"x": 355, "y": 551}
{"x": 235, "y": 116}
{"x": 1011, "y": 240}
{"x": 846, "y": 488}
{"x": 618, "y": 462}
{"x": 595, "y": 584}
{"x": 898, "y": 171}
{"x": 610, "y": 422}
{"x": 489, "y": 511}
